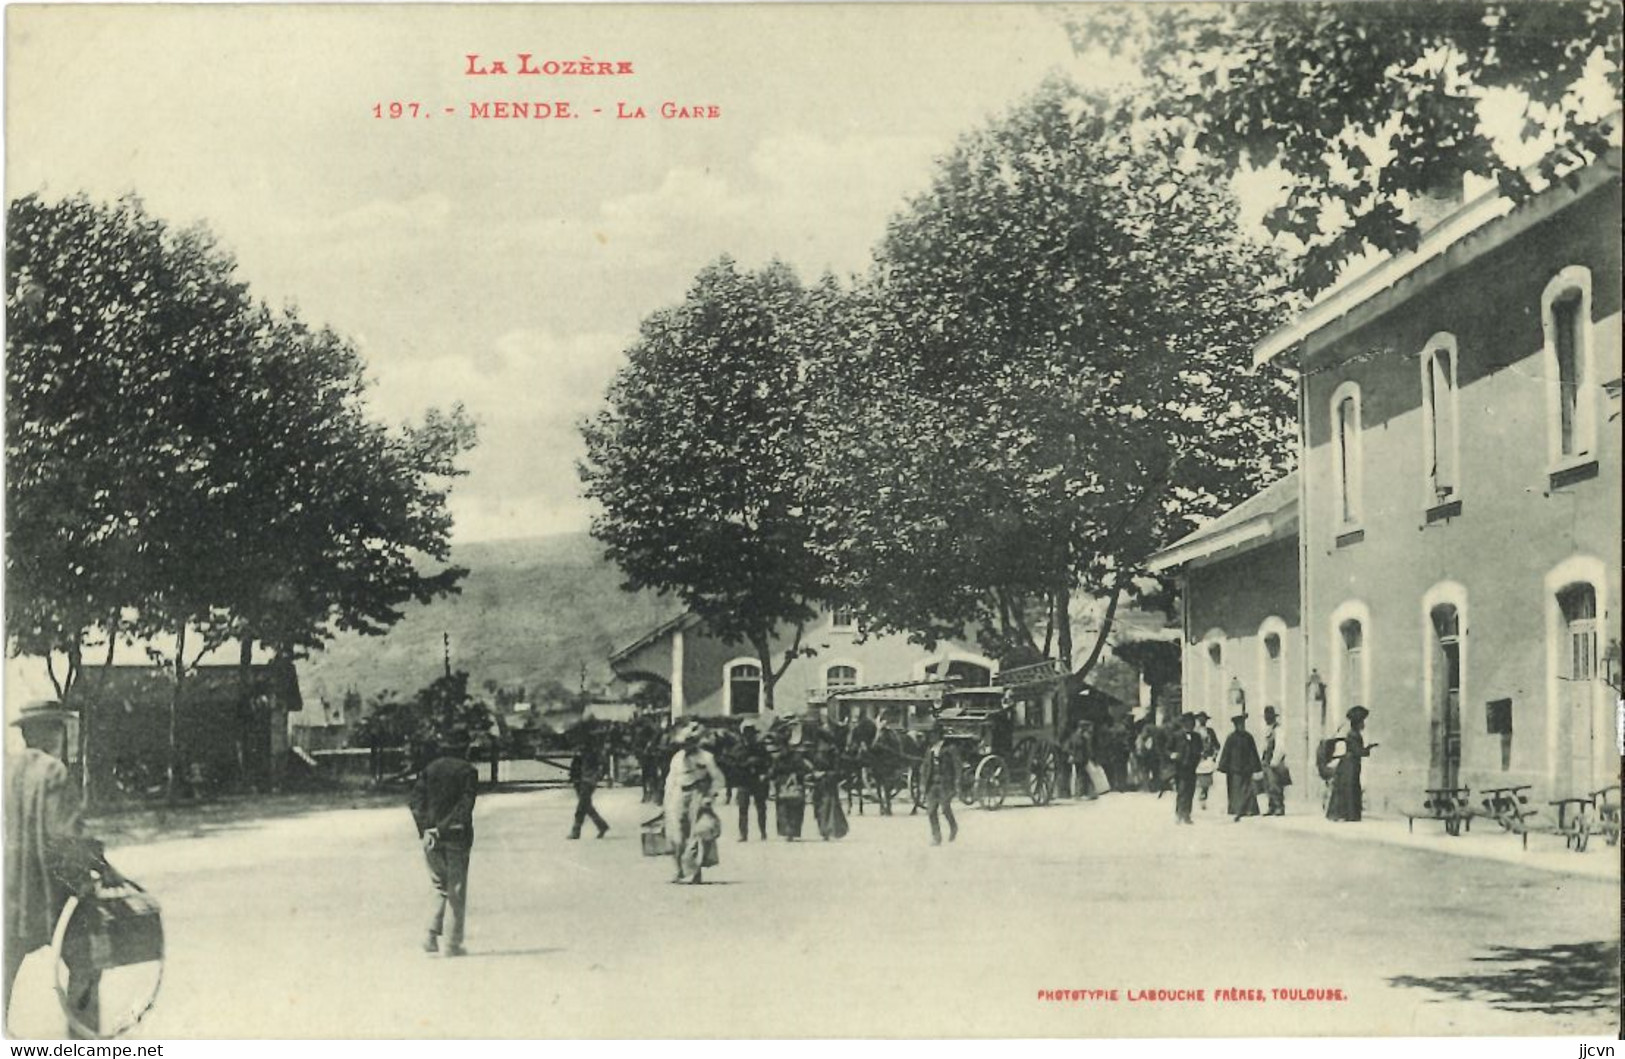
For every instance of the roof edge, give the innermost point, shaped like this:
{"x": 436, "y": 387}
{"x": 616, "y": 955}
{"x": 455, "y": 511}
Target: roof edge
{"x": 1482, "y": 216}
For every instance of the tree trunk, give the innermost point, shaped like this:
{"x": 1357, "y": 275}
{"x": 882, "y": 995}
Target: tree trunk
{"x": 71, "y": 699}
{"x": 174, "y": 713}
{"x": 247, "y": 740}
{"x": 1105, "y": 631}
{"x": 764, "y": 657}
{"x": 1063, "y": 623}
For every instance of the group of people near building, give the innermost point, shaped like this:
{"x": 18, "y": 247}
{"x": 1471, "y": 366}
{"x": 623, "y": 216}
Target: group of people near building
{"x": 1248, "y": 769}
{"x": 692, "y": 770}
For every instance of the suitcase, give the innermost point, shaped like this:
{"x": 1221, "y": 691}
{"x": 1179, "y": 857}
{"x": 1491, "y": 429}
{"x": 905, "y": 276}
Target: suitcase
{"x": 115, "y": 926}
{"x": 654, "y": 838}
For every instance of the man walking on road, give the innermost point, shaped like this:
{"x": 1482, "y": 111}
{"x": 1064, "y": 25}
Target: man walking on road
{"x": 443, "y": 808}
{"x": 586, "y": 769}
{"x": 938, "y": 778}
{"x": 1276, "y": 775}
{"x": 1187, "y": 754}
{"x": 752, "y": 768}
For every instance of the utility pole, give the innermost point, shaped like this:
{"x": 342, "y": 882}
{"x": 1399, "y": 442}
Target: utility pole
{"x": 445, "y": 641}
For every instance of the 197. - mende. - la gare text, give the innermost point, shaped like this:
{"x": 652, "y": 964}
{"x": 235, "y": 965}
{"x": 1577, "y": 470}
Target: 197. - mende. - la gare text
{"x": 534, "y": 110}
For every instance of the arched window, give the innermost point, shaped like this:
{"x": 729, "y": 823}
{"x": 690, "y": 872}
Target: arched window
{"x": 744, "y": 688}
{"x": 1444, "y": 682}
{"x": 1273, "y": 682}
{"x": 1440, "y": 431}
{"x": 1346, "y": 453}
{"x": 1565, "y": 311}
{"x": 1213, "y": 686}
{"x": 1577, "y": 683}
{"x": 1351, "y": 636}
{"x": 841, "y": 677}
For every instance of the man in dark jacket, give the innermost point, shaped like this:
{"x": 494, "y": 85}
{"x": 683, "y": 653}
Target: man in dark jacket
{"x": 1186, "y": 755}
{"x": 443, "y": 809}
{"x": 586, "y": 770}
{"x": 939, "y": 777}
{"x": 751, "y": 767}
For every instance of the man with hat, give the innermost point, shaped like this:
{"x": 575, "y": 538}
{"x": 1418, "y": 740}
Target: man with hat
{"x": 939, "y": 776}
{"x": 752, "y": 766}
{"x": 1210, "y": 758}
{"x": 1186, "y": 755}
{"x": 1239, "y": 761}
{"x": 691, "y": 823}
{"x": 42, "y": 836}
{"x": 442, "y": 805}
{"x": 1277, "y": 777}
{"x": 586, "y": 772}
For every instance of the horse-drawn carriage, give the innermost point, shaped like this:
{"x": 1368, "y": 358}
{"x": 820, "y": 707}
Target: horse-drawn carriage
{"x": 996, "y": 758}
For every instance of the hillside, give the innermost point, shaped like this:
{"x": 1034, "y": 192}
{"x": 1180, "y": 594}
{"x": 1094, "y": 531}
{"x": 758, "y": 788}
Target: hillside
{"x": 531, "y": 611}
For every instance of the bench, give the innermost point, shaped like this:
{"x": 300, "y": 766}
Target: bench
{"x": 1510, "y": 808}
{"x": 1607, "y": 805}
{"x": 1452, "y": 806}
{"x": 1576, "y": 818}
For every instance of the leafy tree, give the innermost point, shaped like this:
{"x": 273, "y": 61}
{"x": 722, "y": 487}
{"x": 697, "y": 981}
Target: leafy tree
{"x": 182, "y": 461}
{"x": 1363, "y": 104}
{"x": 699, "y": 457}
{"x": 1047, "y": 380}
{"x": 110, "y": 319}
{"x": 447, "y": 715}
{"x": 442, "y": 713}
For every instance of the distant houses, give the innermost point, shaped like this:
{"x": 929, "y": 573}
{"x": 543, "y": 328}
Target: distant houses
{"x": 1448, "y": 555}
{"x": 707, "y": 678}
{"x": 230, "y": 725}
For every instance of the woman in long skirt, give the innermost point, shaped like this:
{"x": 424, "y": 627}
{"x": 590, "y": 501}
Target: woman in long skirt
{"x": 1346, "y": 796}
{"x": 790, "y": 805}
{"x": 827, "y": 795}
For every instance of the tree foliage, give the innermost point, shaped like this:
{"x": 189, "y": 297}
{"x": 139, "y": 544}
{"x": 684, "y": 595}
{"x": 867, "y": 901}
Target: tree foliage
{"x": 1364, "y": 103}
{"x": 1047, "y": 380}
{"x": 699, "y": 458}
{"x": 443, "y": 714}
{"x": 181, "y": 459}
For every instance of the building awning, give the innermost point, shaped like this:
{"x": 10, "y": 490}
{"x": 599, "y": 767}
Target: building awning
{"x": 1266, "y": 516}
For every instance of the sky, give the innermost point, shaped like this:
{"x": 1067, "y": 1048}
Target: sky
{"x": 507, "y": 264}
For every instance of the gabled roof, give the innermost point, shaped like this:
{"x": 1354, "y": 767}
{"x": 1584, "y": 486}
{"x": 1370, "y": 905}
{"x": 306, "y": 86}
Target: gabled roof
{"x": 1266, "y": 516}
{"x": 685, "y": 620}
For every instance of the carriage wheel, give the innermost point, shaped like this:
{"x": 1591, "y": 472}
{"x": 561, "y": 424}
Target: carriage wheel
{"x": 967, "y": 784}
{"x": 1043, "y": 775}
{"x": 990, "y": 782}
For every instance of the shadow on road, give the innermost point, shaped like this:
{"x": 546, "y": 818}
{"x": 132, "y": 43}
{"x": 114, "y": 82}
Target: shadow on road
{"x": 1557, "y": 979}
{"x": 475, "y": 954}
{"x": 128, "y": 825}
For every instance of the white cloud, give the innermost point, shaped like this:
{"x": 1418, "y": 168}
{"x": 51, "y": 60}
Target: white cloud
{"x": 392, "y": 217}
